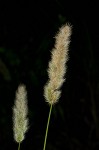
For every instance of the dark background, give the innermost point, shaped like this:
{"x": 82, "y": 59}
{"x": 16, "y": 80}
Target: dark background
{"x": 26, "y": 39}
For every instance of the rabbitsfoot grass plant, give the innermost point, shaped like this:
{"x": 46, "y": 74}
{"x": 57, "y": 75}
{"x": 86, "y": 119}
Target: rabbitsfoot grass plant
{"x": 20, "y": 111}
{"x": 56, "y": 70}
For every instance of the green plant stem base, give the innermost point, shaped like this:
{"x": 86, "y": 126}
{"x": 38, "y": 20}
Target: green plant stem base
{"x": 47, "y": 127}
{"x": 19, "y": 146}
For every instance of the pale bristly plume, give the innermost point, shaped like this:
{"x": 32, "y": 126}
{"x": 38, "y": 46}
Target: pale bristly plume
{"x": 20, "y": 111}
{"x": 57, "y": 65}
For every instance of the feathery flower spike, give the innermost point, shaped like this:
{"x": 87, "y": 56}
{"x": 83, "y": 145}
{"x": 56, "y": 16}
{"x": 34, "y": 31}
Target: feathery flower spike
{"x": 57, "y": 65}
{"x": 20, "y": 111}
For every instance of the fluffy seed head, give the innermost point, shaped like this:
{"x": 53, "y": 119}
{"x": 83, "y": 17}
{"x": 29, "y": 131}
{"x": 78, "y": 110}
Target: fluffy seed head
{"x": 20, "y": 111}
{"x": 57, "y": 65}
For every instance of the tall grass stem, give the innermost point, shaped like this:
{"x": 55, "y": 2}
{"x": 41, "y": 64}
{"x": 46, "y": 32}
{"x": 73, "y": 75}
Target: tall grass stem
{"x": 47, "y": 127}
{"x": 19, "y": 146}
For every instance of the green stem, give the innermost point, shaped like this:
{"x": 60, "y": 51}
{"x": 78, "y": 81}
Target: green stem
{"x": 19, "y": 146}
{"x": 47, "y": 127}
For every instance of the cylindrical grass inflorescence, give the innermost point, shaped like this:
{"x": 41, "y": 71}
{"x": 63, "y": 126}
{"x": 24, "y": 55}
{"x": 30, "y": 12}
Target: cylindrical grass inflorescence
{"x": 57, "y": 65}
{"x": 20, "y": 111}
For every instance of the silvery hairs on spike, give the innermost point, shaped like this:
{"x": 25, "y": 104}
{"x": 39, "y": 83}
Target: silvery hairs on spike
{"x": 57, "y": 65}
{"x": 20, "y": 111}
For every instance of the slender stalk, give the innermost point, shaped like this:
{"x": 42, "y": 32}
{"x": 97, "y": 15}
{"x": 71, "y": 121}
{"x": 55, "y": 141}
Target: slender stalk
{"x": 47, "y": 127}
{"x": 19, "y": 146}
